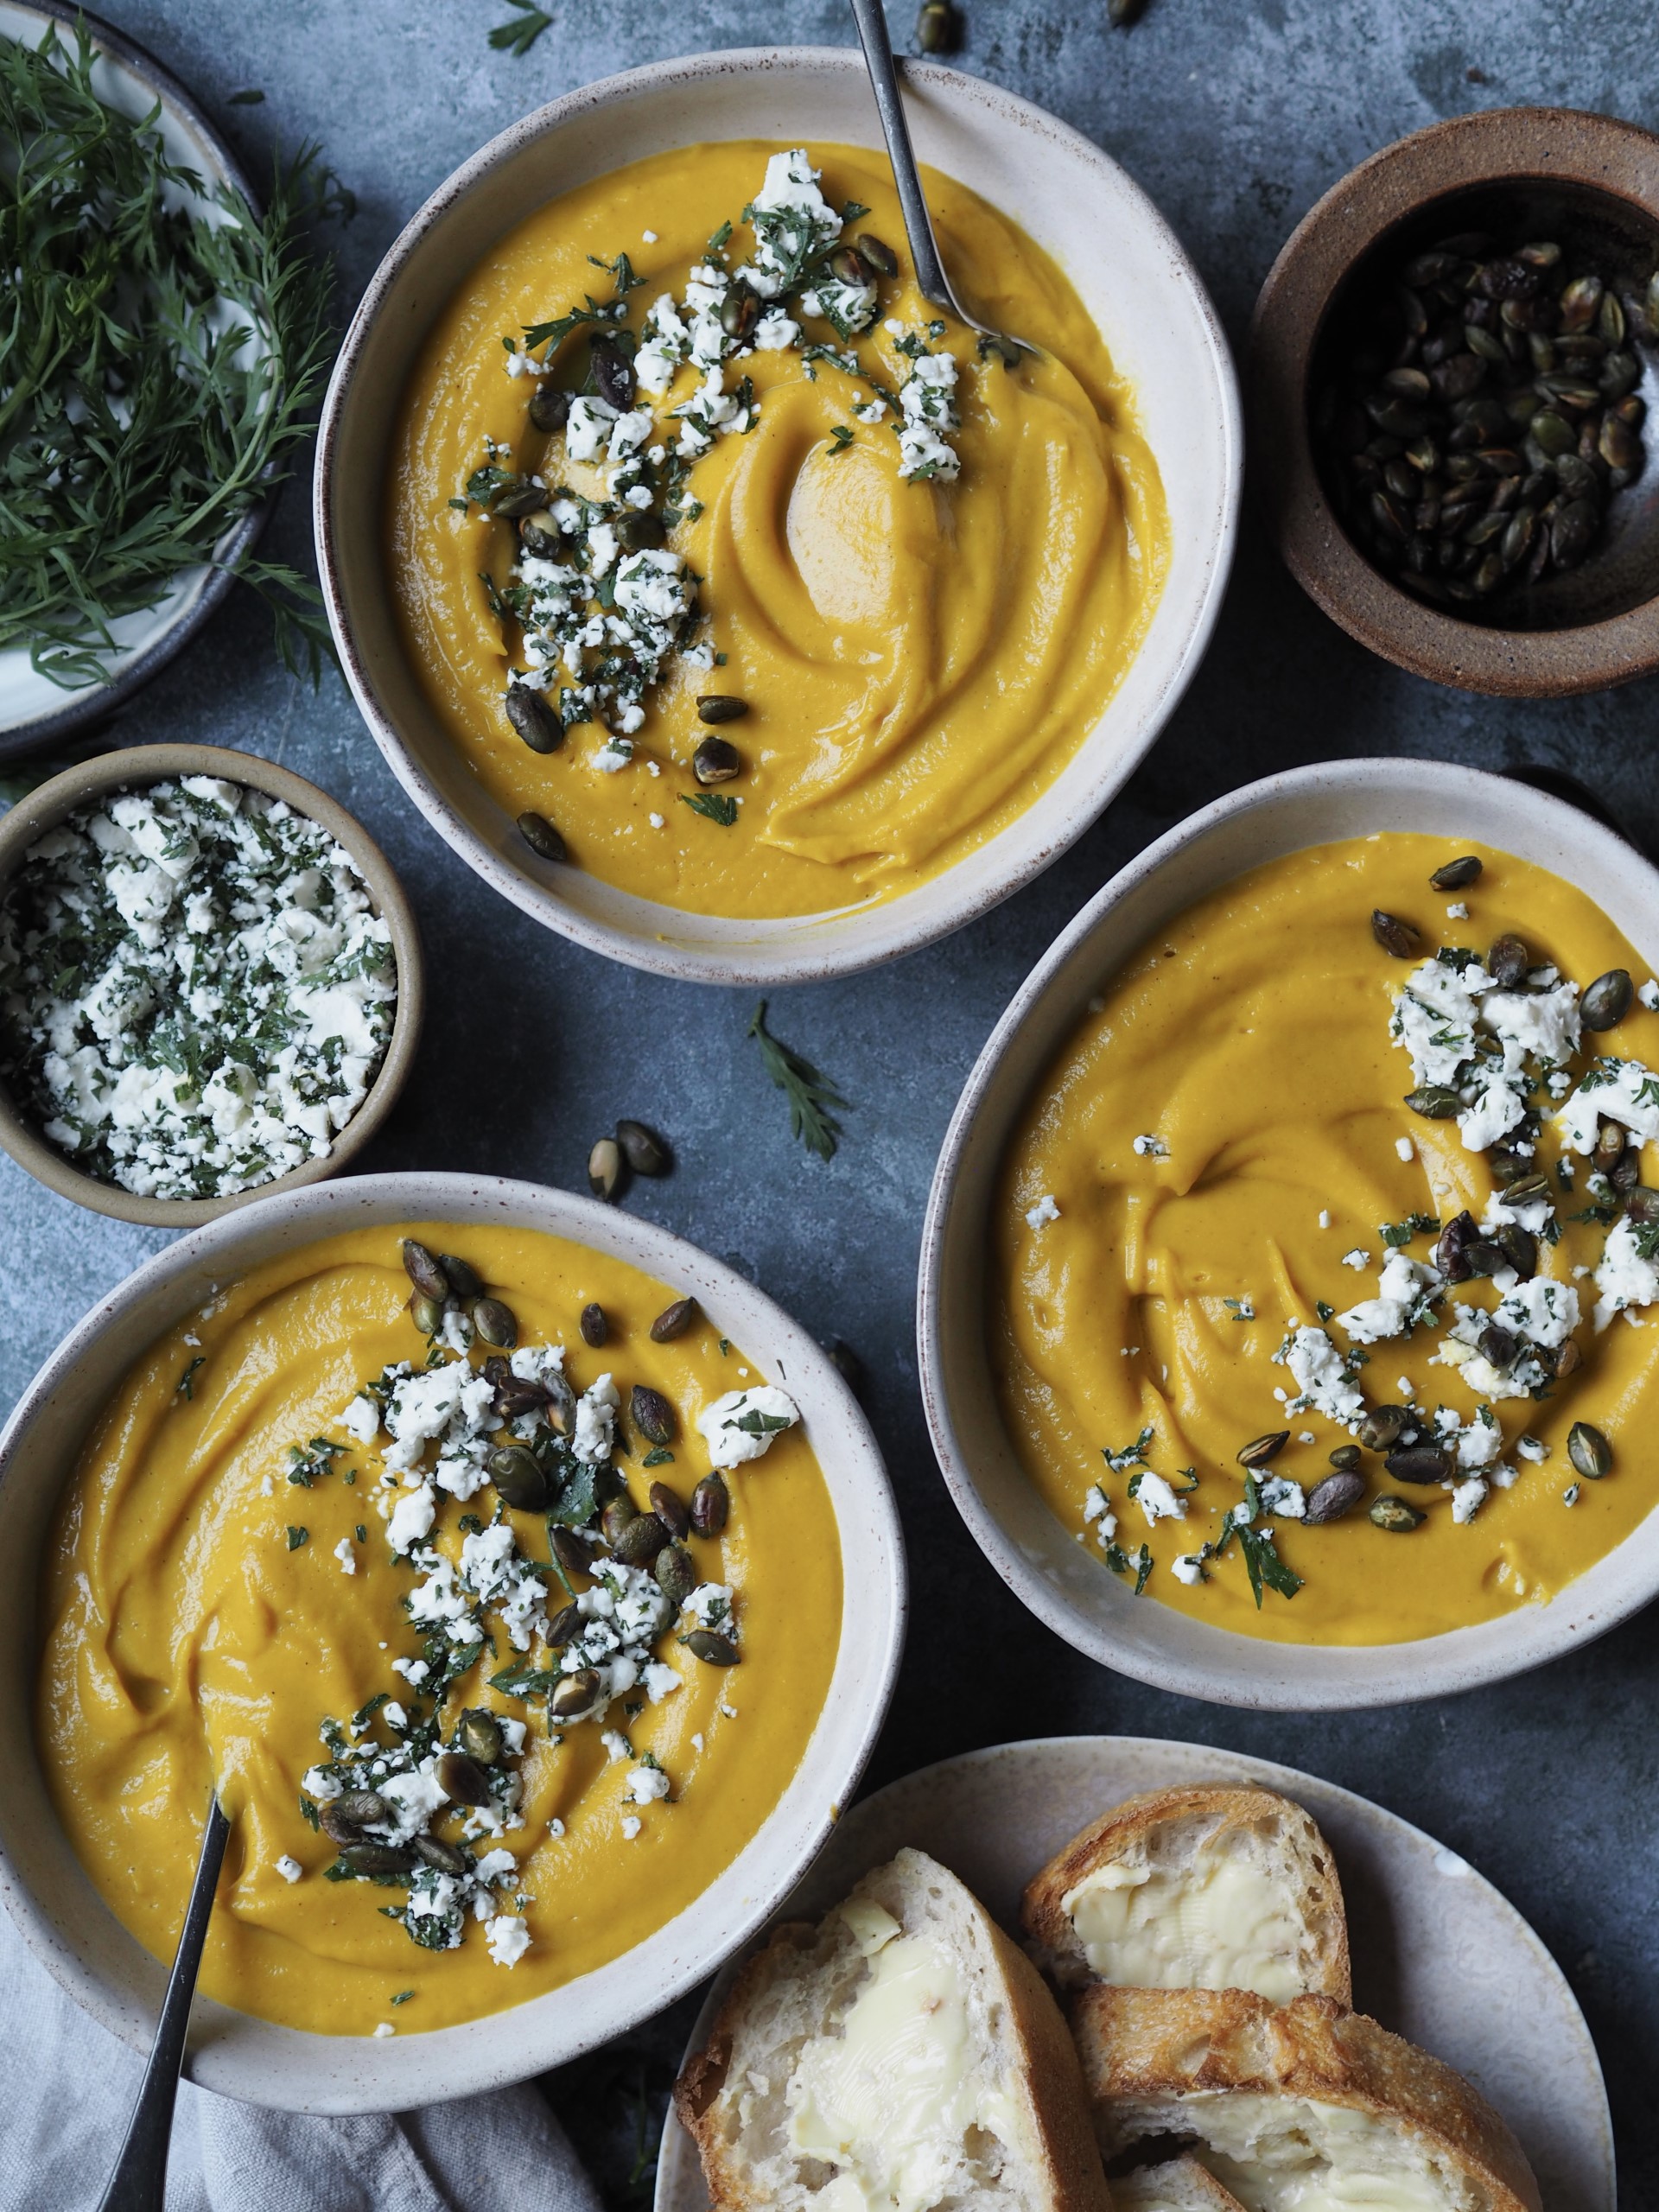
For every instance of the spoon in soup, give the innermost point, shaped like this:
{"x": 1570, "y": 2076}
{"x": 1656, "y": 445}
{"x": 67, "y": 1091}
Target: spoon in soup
{"x": 931, "y": 278}
{"x": 139, "y": 2181}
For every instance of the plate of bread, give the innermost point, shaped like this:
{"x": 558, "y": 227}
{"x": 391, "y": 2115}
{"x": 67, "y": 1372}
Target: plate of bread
{"x": 1115, "y": 1975}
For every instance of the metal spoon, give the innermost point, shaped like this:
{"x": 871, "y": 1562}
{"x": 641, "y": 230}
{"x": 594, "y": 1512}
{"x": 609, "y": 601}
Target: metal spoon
{"x": 139, "y": 2181}
{"x": 924, "y": 246}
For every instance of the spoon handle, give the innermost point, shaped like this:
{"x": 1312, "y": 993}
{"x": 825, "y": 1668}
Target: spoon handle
{"x": 884, "y": 81}
{"x": 139, "y": 2181}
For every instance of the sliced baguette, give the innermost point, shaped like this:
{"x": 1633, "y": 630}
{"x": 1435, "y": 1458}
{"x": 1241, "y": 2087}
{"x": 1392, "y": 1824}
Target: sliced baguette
{"x": 788, "y": 2093}
{"x": 1179, "y": 2185}
{"x": 1216, "y": 1885}
{"x": 1301, "y": 2103}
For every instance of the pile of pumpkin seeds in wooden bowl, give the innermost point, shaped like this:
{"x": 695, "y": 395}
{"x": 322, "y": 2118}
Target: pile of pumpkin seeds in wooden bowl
{"x": 1479, "y": 425}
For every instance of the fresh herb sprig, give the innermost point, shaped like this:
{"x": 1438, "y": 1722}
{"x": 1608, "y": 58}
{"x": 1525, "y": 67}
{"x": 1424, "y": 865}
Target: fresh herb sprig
{"x": 520, "y": 32}
{"x": 158, "y": 366}
{"x": 811, "y": 1094}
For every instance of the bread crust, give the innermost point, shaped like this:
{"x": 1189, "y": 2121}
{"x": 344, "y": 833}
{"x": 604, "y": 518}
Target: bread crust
{"x": 1143, "y": 2047}
{"x": 1210, "y": 1808}
{"x": 1045, "y": 2067}
{"x": 1180, "y": 2181}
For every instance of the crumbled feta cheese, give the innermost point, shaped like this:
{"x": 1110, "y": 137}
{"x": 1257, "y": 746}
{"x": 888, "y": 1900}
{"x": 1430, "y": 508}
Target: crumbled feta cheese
{"x": 1279, "y": 1494}
{"x": 1532, "y": 1448}
{"x": 383, "y": 2028}
{"x": 1156, "y": 1499}
{"x": 1648, "y": 993}
{"x": 1044, "y": 1210}
{"x": 1457, "y": 911}
{"x": 508, "y": 1938}
{"x": 1405, "y": 1148}
{"x": 289, "y": 1869}
{"x": 1405, "y": 1291}
{"x": 1325, "y": 1217}
{"x": 1151, "y": 1147}
{"x": 411, "y": 1518}
{"x": 345, "y": 1555}
{"x": 1097, "y": 1514}
{"x": 361, "y": 1420}
{"x": 1627, "y": 1275}
{"x": 1359, "y": 1258}
{"x": 1619, "y": 1091}
{"x": 647, "y": 1784}
{"x": 1187, "y": 1568}
{"x": 1321, "y": 1377}
{"x": 741, "y": 1425}
{"x": 1467, "y": 1498}
{"x": 632, "y": 1826}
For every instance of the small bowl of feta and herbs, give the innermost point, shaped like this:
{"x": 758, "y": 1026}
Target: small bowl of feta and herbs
{"x": 210, "y": 983}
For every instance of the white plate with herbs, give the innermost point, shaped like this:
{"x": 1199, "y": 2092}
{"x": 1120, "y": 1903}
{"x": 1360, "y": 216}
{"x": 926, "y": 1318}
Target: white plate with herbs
{"x": 1440, "y": 1957}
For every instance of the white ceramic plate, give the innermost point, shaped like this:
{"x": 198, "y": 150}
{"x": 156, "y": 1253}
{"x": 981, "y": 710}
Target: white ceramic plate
{"x": 1034, "y": 1552}
{"x": 1439, "y": 1955}
{"x": 74, "y": 1933}
{"x": 1135, "y": 278}
{"x": 33, "y": 709}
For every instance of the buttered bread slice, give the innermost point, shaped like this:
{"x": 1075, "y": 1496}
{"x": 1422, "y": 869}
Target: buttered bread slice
{"x": 1300, "y": 2109}
{"x": 902, "y": 2055}
{"x": 1210, "y": 1886}
{"x": 1177, "y": 2185}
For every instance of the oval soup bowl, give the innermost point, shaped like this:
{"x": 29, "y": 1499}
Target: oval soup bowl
{"x": 54, "y": 1904}
{"x": 137, "y": 769}
{"x": 1132, "y": 274}
{"x": 1039, "y": 1557}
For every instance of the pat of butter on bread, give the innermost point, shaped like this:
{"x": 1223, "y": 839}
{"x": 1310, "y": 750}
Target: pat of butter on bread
{"x": 1209, "y": 1886}
{"x": 1305, "y": 2108}
{"x": 902, "y": 2055}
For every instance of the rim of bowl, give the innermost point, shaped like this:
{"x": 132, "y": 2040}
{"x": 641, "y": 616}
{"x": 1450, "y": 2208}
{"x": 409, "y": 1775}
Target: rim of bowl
{"x": 891, "y": 931}
{"x": 292, "y": 2069}
{"x": 140, "y": 765}
{"x": 99, "y": 701}
{"x": 1220, "y": 1665}
{"x": 1544, "y": 146}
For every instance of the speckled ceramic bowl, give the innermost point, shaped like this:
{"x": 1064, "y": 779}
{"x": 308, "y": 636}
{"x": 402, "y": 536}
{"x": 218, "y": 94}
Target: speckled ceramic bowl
{"x": 74, "y": 1933}
{"x": 1589, "y": 181}
{"x": 1132, "y": 274}
{"x": 1064, "y": 1584}
{"x": 133, "y": 770}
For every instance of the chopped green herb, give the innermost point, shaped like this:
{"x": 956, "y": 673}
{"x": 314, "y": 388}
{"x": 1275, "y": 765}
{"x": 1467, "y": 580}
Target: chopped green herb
{"x": 296, "y": 1537}
{"x": 403, "y": 1997}
{"x": 809, "y": 1092}
{"x": 714, "y": 806}
{"x": 520, "y": 32}
{"x": 1130, "y": 1454}
{"x": 470, "y": 1525}
{"x": 186, "y": 1385}
{"x": 658, "y": 1458}
{"x": 251, "y": 98}
{"x": 841, "y": 438}
{"x": 365, "y": 1713}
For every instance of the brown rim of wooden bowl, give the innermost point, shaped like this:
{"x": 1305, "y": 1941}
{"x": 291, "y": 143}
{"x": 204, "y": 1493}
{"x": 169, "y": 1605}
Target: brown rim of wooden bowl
{"x": 135, "y": 769}
{"x": 1589, "y": 155}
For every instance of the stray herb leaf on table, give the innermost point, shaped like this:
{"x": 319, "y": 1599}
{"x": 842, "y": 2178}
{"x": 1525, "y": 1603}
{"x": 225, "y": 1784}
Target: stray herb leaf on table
{"x": 520, "y": 32}
{"x": 157, "y": 370}
{"x": 809, "y": 1093}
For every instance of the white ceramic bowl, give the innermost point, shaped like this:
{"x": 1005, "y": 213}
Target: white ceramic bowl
{"x": 1131, "y": 272}
{"x": 1037, "y": 1556}
{"x": 74, "y": 1933}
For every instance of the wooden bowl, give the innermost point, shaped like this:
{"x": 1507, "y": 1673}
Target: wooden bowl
{"x": 134, "y": 770}
{"x": 1591, "y": 182}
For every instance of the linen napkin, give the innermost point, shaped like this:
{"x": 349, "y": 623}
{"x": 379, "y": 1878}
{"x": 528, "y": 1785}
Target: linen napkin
{"x": 67, "y": 2088}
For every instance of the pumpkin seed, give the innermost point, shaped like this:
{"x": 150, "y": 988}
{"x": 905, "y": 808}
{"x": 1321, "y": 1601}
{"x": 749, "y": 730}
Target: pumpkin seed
{"x": 574, "y": 1698}
{"x": 721, "y": 707}
{"x": 676, "y": 1575}
{"x": 716, "y": 761}
{"x": 1419, "y": 1462}
{"x": 593, "y": 1325}
{"x": 426, "y": 1313}
{"x": 369, "y": 1857}
{"x": 1450, "y": 1252}
{"x": 1520, "y": 1248}
{"x": 1381, "y": 1429}
{"x": 1330, "y": 1499}
{"x": 674, "y": 1320}
{"x": 641, "y": 1541}
{"x": 605, "y": 1168}
{"x": 462, "y": 1779}
{"x": 881, "y": 256}
{"x": 542, "y": 837}
{"x": 613, "y": 374}
{"x": 713, "y": 1648}
{"x": 1589, "y": 1451}
{"x": 643, "y": 1149}
{"x": 1497, "y": 1346}
{"x": 435, "y": 1852}
{"x": 711, "y": 1503}
{"x": 1607, "y": 1001}
{"x": 670, "y": 1508}
{"x": 739, "y": 311}
{"x": 533, "y": 719}
{"x": 619, "y": 1514}
{"x": 1395, "y": 936}
{"x": 574, "y": 1553}
{"x": 1643, "y": 1207}
{"x": 652, "y": 1414}
{"x": 1456, "y": 875}
{"x": 461, "y": 1274}
{"x": 424, "y": 1271}
{"x": 938, "y": 29}
{"x": 549, "y": 407}
{"x": 1261, "y": 1449}
{"x": 1568, "y": 1360}
{"x": 1485, "y": 1257}
{"x": 1395, "y": 1514}
{"x": 495, "y": 1323}
{"x": 480, "y": 1735}
{"x": 519, "y": 1477}
{"x": 1508, "y": 963}
{"x": 1347, "y": 1459}
{"x": 1435, "y": 1102}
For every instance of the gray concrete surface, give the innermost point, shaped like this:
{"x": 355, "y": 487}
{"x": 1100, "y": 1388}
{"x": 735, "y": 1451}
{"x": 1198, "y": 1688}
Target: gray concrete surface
{"x": 1236, "y": 115}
